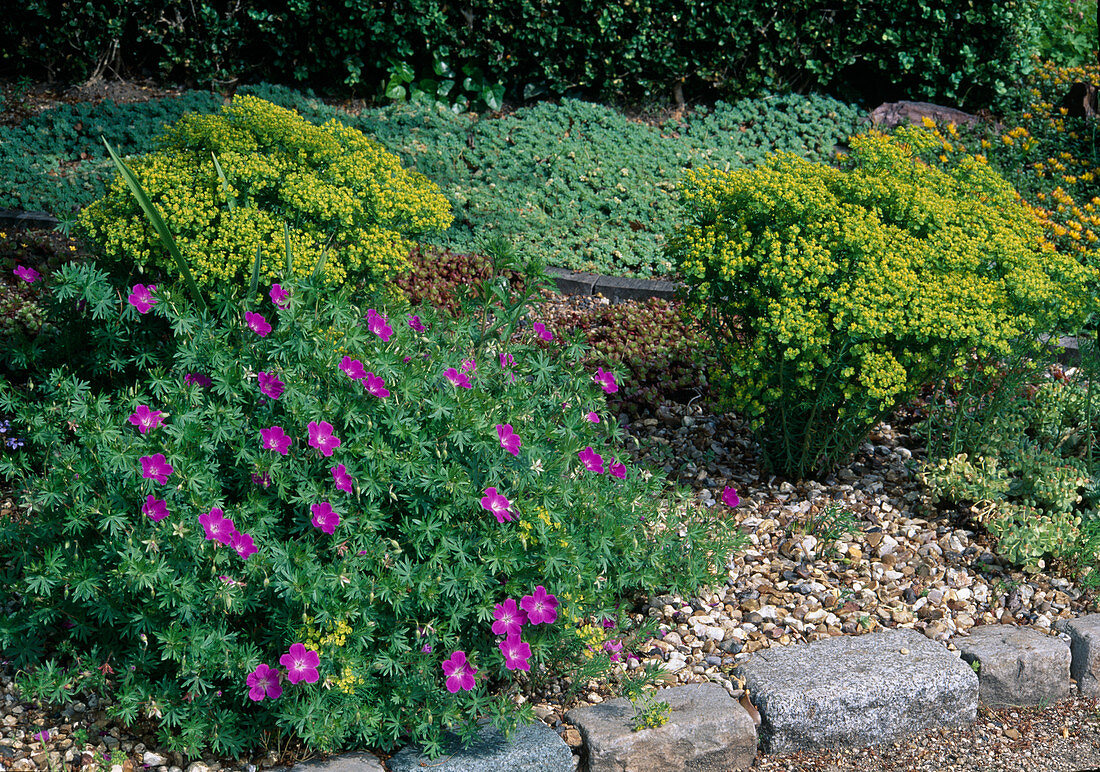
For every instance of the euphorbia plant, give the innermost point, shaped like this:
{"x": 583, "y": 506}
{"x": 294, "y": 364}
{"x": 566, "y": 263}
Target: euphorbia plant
{"x": 312, "y": 516}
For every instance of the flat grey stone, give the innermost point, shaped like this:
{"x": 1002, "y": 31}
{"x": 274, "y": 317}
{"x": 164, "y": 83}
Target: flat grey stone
{"x": 572, "y": 283}
{"x": 1018, "y": 665}
{"x": 532, "y": 748}
{"x": 345, "y": 762}
{"x": 1084, "y": 646}
{"x": 857, "y": 690}
{"x": 707, "y": 731}
{"x": 619, "y": 288}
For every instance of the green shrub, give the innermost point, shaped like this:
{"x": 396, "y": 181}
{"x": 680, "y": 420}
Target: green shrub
{"x": 341, "y": 194}
{"x": 172, "y": 623}
{"x": 1067, "y": 31}
{"x": 833, "y": 294}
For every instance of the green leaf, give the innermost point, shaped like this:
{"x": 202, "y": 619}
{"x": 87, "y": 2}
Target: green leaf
{"x": 494, "y": 96}
{"x": 396, "y": 92}
{"x": 230, "y": 198}
{"x": 289, "y": 253}
{"x": 158, "y": 223}
{"x": 255, "y": 282}
{"x": 317, "y": 269}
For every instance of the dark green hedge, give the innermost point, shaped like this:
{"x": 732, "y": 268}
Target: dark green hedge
{"x": 957, "y": 51}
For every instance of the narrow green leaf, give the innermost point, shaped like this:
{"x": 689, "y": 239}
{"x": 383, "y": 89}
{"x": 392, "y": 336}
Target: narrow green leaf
{"x": 158, "y": 223}
{"x": 289, "y": 254}
{"x": 321, "y": 260}
{"x": 255, "y": 283}
{"x": 225, "y": 184}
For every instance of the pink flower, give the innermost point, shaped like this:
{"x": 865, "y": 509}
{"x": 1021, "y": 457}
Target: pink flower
{"x": 217, "y": 526}
{"x": 200, "y": 380}
{"x": 542, "y": 332}
{"x": 279, "y": 295}
{"x": 592, "y": 417}
{"x": 415, "y": 323}
{"x": 606, "y": 380}
{"x": 264, "y": 682}
{"x": 270, "y": 385}
{"x": 506, "y": 360}
{"x": 377, "y": 324}
{"x": 592, "y": 460}
{"x": 243, "y": 544}
{"x": 730, "y": 497}
{"x": 468, "y": 365}
{"x": 155, "y": 509}
{"x": 263, "y": 480}
{"x": 145, "y": 419}
{"x": 29, "y": 275}
{"x": 457, "y": 378}
{"x": 376, "y": 385}
{"x": 541, "y": 606}
{"x": 301, "y": 664}
{"x": 618, "y": 469}
{"x": 508, "y": 439}
{"x": 497, "y": 504}
{"x": 324, "y": 518}
{"x": 509, "y": 618}
{"x": 257, "y": 323}
{"x": 353, "y": 368}
{"x": 459, "y": 673}
{"x": 141, "y": 297}
{"x": 613, "y": 648}
{"x": 516, "y": 653}
{"x": 275, "y": 439}
{"x": 342, "y": 479}
{"x": 155, "y": 467}
{"x": 322, "y": 438}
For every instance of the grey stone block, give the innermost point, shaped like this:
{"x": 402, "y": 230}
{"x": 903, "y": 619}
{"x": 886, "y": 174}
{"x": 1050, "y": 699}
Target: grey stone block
{"x": 572, "y": 283}
{"x": 1018, "y": 665}
{"x": 345, "y": 762}
{"x": 707, "y": 731}
{"x": 857, "y": 690}
{"x": 22, "y": 219}
{"x": 617, "y": 289}
{"x": 1084, "y": 646}
{"x": 532, "y": 748}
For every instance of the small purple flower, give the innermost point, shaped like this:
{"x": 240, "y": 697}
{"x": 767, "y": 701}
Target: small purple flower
{"x": 592, "y": 460}
{"x": 468, "y": 365}
{"x": 29, "y": 275}
{"x": 264, "y": 682}
{"x": 509, "y": 440}
{"x": 218, "y": 527}
{"x": 200, "y": 380}
{"x": 270, "y": 385}
{"x": 506, "y": 361}
{"x": 145, "y": 419}
{"x": 509, "y": 618}
{"x": 613, "y": 647}
{"x": 376, "y": 385}
{"x": 592, "y": 417}
{"x": 257, "y": 323}
{"x": 497, "y": 504}
{"x": 460, "y": 674}
{"x": 542, "y": 332}
{"x": 457, "y": 378}
{"x": 155, "y": 467}
{"x": 279, "y": 296}
{"x": 275, "y": 439}
{"x": 141, "y": 297}
{"x": 301, "y": 664}
{"x": 426, "y": 648}
{"x": 263, "y": 480}
{"x": 243, "y": 544}
{"x": 606, "y": 380}
{"x": 353, "y": 368}
{"x": 377, "y": 324}
{"x": 342, "y": 479}
{"x": 618, "y": 469}
{"x": 43, "y": 736}
{"x": 415, "y": 323}
{"x": 541, "y": 606}
{"x": 324, "y": 518}
{"x": 516, "y": 653}
{"x": 155, "y": 509}
{"x": 322, "y": 438}
{"x": 730, "y": 497}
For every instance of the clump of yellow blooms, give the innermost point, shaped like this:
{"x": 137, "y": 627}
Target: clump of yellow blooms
{"x": 832, "y": 293}
{"x": 339, "y": 192}
{"x": 327, "y": 642}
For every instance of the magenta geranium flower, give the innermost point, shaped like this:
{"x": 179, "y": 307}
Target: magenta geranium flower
{"x": 322, "y": 438}
{"x": 376, "y": 385}
{"x": 509, "y": 618}
{"x": 618, "y": 469}
{"x": 203, "y": 381}
{"x": 415, "y": 323}
{"x": 516, "y": 653}
{"x": 264, "y": 682}
{"x": 613, "y": 648}
{"x": 542, "y": 332}
{"x": 145, "y": 419}
{"x": 541, "y": 606}
{"x": 730, "y": 497}
{"x": 606, "y": 380}
{"x": 377, "y": 324}
{"x": 506, "y": 360}
{"x": 468, "y": 365}
{"x": 29, "y": 275}
{"x": 270, "y": 385}
{"x": 342, "y": 479}
{"x": 257, "y": 323}
{"x": 324, "y": 518}
{"x": 301, "y": 664}
{"x": 279, "y": 295}
{"x": 155, "y": 467}
{"x": 497, "y": 504}
{"x": 218, "y": 527}
{"x": 457, "y": 378}
{"x": 243, "y": 544}
{"x": 141, "y": 297}
{"x": 460, "y": 674}
{"x": 592, "y": 460}
{"x": 353, "y": 368}
{"x": 592, "y": 417}
{"x": 155, "y": 509}
{"x": 509, "y": 440}
{"x": 275, "y": 439}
